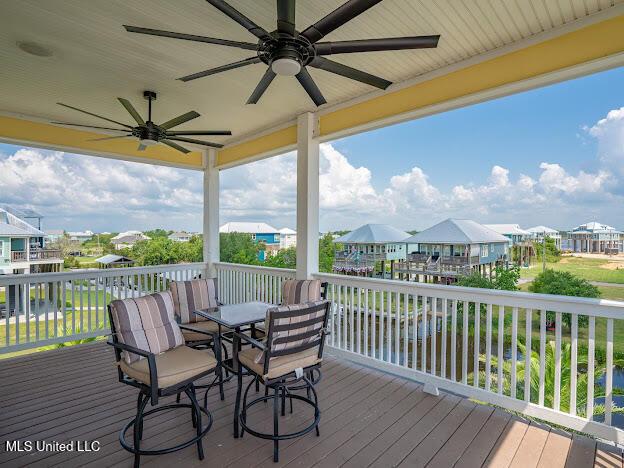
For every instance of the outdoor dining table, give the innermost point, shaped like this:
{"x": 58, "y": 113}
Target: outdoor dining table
{"x": 235, "y": 317}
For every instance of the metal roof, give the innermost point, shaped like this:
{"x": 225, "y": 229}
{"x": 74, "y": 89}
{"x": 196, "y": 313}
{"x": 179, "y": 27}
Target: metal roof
{"x": 111, "y": 258}
{"x": 457, "y": 231}
{"x": 248, "y": 228}
{"x": 373, "y": 234}
{"x": 542, "y": 229}
{"x": 595, "y": 226}
{"x": 12, "y": 225}
{"x": 507, "y": 229}
{"x": 287, "y": 231}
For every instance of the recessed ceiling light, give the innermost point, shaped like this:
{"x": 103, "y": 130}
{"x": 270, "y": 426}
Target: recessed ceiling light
{"x": 35, "y": 49}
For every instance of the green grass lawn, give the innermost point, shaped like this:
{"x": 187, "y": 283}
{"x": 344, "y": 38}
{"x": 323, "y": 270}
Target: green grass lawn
{"x": 592, "y": 269}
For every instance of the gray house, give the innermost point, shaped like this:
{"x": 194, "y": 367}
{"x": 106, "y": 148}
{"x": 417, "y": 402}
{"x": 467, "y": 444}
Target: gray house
{"x": 453, "y": 248}
{"x": 358, "y": 251}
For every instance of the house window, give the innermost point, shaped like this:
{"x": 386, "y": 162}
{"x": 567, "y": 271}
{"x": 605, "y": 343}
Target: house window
{"x": 253, "y": 237}
{"x": 485, "y": 250}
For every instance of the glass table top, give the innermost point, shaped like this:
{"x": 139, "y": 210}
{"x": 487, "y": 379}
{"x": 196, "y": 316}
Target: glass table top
{"x": 237, "y": 315}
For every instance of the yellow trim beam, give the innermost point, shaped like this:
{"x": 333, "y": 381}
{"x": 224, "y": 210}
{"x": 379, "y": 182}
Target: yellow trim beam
{"x": 20, "y": 130}
{"x": 584, "y": 45}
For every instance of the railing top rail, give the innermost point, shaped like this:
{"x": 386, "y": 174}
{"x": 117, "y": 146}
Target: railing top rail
{"x": 259, "y": 269}
{"x": 6, "y": 280}
{"x": 524, "y": 300}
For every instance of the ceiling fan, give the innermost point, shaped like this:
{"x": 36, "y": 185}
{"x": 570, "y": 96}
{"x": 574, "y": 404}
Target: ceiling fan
{"x": 289, "y": 52}
{"x": 147, "y": 132}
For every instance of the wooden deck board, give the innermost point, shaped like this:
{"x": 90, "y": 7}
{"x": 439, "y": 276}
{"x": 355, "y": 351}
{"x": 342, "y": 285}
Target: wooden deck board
{"x": 368, "y": 418}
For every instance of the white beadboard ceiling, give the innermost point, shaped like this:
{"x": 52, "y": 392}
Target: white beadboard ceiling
{"x": 95, "y": 60}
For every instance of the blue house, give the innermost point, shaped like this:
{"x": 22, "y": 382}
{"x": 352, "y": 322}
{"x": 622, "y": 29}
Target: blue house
{"x": 452, "y": 248}
{"x": 259, "y": 232}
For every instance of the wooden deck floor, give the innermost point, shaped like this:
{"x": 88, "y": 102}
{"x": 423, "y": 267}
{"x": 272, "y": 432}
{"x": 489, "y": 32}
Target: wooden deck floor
{"x": 368, "y": 419}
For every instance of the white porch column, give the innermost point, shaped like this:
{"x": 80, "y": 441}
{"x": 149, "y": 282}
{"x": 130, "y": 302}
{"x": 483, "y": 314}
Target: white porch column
{"x": 211, "y": 212}
{"x": 307, "y": 195}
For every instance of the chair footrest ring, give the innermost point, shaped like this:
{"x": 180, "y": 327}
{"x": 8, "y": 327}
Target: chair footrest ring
{"x": 291, "y": 435}
{"x": 131, "y": 449}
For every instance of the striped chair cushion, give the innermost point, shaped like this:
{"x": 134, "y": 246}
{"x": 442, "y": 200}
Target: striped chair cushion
{"x": 146, "y": 323}
{"x": 192, "y": 295}
{"x": 311, "y": 319}
{"x": 300, "y": 291}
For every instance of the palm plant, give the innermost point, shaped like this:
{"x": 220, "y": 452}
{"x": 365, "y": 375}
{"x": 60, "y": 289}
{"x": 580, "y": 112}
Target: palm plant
{"x": 549, "y": 378}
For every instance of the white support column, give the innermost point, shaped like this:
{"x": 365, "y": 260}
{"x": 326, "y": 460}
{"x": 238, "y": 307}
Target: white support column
{"x": 307, "y": 195}
{"x": 211, "y": 212}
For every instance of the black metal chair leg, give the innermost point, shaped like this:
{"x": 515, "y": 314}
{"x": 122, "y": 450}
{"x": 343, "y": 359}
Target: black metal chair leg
{"x": 178, "y": 398}
{"x": 237, "y": 403}
{"x": 243, "y": 415}
{"x": 275, "y": 425}
{"x": 139, "y": 426}
{"x": 193, "y": 397}
{"x": 316, "y": 408}
{"x": 138, "y": 429}
{"x": 284, "y": 401}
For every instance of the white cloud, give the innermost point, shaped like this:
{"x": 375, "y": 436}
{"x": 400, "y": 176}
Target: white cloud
{"x": 609, "y": 132}
{"x": 92, "y": 193}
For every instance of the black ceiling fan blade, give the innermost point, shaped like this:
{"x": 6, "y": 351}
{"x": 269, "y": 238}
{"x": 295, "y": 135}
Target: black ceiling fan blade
{"x": 110, "y": 138}
{"x": 196, "y": 142}
{"x": 286, "y": 16}
{"x": 175, "y": 146}
{"x": 179, "y": 120}
{"x": 309, "y": 85}
{"x": 349, "y": 72}
{"x": 92, "y": 126}
{"x": 337, "y": 18}
{"x": 262, "y": 86}
{"x": 200, "y": 132}
{"x": 131, "y": 110}
{"x": 94, "y": 115}
{"x": 191, "y": 37}
{"x": 241, "y": 19}
{"x": 373, "y": 45}
{"x": 222, "y": 68}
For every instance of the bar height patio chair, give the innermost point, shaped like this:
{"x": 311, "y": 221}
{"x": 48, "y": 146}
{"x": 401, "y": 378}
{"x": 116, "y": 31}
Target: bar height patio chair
{"x": 151, "y": 355}
{"x": 293, "y": 348}
{"x": 200, "y": 333}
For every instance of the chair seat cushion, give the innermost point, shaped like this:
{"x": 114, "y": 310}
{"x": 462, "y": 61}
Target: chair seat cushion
{"x": 281, "y": 365}
{"x": 207, "y": 326}
{"x": 173, "y": 366}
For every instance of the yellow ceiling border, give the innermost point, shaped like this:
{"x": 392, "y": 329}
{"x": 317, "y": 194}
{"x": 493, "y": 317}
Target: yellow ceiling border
{"x": 39, "y": 134}
{"x": 599, "y": 40}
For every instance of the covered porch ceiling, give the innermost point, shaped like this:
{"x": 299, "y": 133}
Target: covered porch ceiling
{"x": 486, "y": 49}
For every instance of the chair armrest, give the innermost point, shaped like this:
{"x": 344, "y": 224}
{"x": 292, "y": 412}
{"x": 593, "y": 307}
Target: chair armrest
{"x": 250, "y": 340}
{"x": 151, "y": 362}
{"x": 195, "y": 330}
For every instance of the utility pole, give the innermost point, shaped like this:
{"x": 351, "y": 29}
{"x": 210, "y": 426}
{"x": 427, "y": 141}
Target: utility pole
{"x": 544, "y": 251}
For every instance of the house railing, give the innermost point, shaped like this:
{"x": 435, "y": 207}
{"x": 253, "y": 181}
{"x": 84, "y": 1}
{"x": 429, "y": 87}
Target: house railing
{"x": 49, "y": 308}
{"x": 45, "y": 254}
{"x": 469, "y": 341}
{"x": 244, "y": 283}
{"x": 567, "y": 378}
{"x": 18, "y": 256}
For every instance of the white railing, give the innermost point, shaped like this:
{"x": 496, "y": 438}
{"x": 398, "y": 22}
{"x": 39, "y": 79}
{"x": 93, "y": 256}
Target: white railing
{"x": 47, "y": 308}
{"x": 567, "y": 379}
{"x": 244, "y": 283}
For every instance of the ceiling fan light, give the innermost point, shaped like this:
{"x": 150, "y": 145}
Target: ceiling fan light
{"x": 148, "y": 142}
{"x": 286, "y": 66}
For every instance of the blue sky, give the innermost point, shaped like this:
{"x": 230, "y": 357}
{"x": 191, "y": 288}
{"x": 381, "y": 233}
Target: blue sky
{"x": 552, "y": 156}
{"x": 517, "y": 131}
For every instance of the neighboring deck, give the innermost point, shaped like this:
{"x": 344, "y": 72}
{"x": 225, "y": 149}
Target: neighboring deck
{"x": 368, "y": 418}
